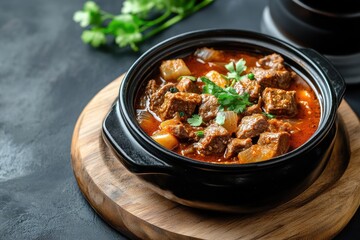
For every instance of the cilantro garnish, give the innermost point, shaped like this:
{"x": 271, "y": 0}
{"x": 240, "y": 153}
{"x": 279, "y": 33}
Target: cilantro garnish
{"x": 94, "y": 38}
{"x": 200, "y": 133}
{"x": 192, "y": 78}
{"x": 195, "y": 120}
{"x": 227, "y": 97}
{"x": 268, "y": 115}
{"x": 220, "y": 118}
{"x": 235, "y": 69}
{"x": 137, "y": 21}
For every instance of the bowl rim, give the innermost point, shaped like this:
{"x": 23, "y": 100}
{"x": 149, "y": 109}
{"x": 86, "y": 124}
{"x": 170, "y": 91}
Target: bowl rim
{"x": 327, "y": 118}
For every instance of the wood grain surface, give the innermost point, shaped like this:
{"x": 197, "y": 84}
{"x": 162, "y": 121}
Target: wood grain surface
{"x": 129, "y": 206}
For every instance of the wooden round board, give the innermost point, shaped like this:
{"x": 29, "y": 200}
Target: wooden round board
{"x": 123, "y": 201}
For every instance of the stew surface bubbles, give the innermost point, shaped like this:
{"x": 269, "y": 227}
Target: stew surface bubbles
{"x": 226, "y": 106}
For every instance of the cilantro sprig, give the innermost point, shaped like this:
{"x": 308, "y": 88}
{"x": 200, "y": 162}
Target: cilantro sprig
{"x": 227, "y": 97}
{"x": 192, "y": 78}
{"x": 137, "y": 21}
{"x": 200, "y": 133}
{"x": 268, "y": 115}
{"x": 235, "y": 69}
{"x": 195, "y": 120}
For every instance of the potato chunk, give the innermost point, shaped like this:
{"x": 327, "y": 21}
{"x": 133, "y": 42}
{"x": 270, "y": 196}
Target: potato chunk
{"x": 166, "y": 140}
{"x": 217, "y": 78}
{"x": 170, "y": 70}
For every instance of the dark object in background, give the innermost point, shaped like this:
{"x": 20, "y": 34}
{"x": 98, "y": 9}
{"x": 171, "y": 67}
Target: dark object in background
{"x": 330, "y": 27}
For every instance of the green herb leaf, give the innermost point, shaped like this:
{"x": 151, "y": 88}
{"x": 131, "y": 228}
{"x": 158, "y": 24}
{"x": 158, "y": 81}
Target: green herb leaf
{"x": 268, "y": 115}
{"x": 138, "y": 20}
{"x": 124, "y": 23}
{"x": 220, "y": 118}
{"x": 94, "y": 37}
{"x": 181, "y": 114}
{"x": 227, "y": 97}
{"x": 141, "y": 7}
{"x": 83, "y": 18}
{"x": 200, "y": 133}
{"x": 90, "y": 15}
{"x": 125, "y": 28}
{"x": 230, "y": 67}
{"x": 91, "y": 6}
{"x": 240, "y": 66}
{"x": 235, "y": 69}
{"x": 195, "y": 120}
{"x": 192, "y": 78}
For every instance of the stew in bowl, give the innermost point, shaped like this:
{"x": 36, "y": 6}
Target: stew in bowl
{"x": 226, "y": 106}
{"x": 226, "y": 120}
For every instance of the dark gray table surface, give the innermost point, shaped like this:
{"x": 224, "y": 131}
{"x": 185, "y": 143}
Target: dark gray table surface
{"x": 47, "y": 76}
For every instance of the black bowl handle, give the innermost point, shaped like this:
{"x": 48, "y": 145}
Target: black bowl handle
{"x": 335, "y": 79}
{"x": 132, "y": 155}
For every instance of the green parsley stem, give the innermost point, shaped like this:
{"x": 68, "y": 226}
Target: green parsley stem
{"x": 164, "y": 26}
{"x": 155, "y": 21}
{"x": 176, "y": 19}
{"x": 105, "y": 15}
{"x": 201, "y": 5}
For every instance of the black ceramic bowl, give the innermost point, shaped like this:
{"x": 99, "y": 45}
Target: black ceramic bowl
{"x": 240, "y": 188}
{"x": 326, "y": 26}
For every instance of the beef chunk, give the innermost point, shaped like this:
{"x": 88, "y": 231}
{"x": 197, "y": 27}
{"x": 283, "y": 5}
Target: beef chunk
{"x": 170, "y": 70}
{"x": 150, "y": 88}
{"x": 252, "y": 87}
{"x": 178, "y": 131}
{"x": 277, "y": 125}
{"x": 271, "y": 72}
{"x": 256, "y": 108}
{"x": 273, "y": 61}
{"x": 237, "y": 145}
{"x": 214, "y": 141}
{"x": 279, "y": 142}
{"x": 186, "y": 85}
{"x": 193, "y": 132}
{"x": 157, "y": 98}
{"x": 183, "y": 131}
{"x": 269, "y": 145}
{"x": 209, "y": 107}
{"x": 251, "y": 126}
{"x": 191, "y": 149}
{"x": 279, "y": 102}
{"x": 178, "y": 102}
{"x": 273, "y": 78}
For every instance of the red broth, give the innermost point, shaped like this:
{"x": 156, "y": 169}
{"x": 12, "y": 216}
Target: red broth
{"x": 303, "y": 124}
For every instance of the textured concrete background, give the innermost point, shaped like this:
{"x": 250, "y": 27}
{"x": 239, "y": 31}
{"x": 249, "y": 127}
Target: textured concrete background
{"x": 47, "y": 76}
